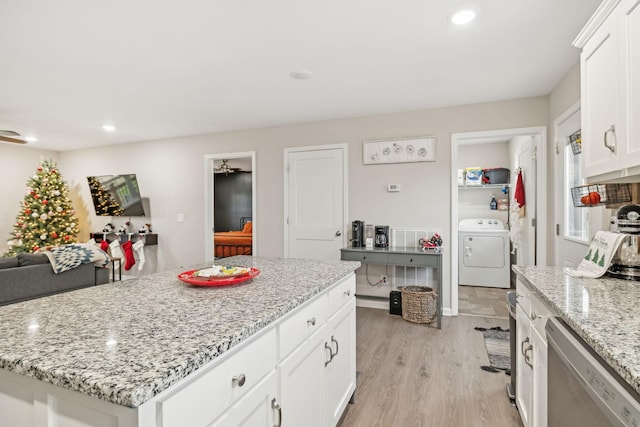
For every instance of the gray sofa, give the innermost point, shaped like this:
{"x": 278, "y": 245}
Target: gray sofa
{"x": 29, "y": 276}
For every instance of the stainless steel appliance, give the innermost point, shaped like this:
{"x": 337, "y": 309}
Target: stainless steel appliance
{"x": 582, "y": 389}
{"x": 625, "y": 263}
{"x": 357, "y": 234}
{"x": 382, "y": 236}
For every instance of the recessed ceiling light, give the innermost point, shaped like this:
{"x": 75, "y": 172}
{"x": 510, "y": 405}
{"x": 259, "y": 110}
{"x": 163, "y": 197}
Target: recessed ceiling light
{"x": 109, "y": 128}
{"x": 30, "y": 138}
{"x": 463, "y": 17}
{"x": 300, "y": 74}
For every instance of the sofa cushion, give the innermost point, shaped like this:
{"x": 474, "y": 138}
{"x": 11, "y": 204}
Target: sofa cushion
{"x": 32, "y": 259}
{"x": 11, "y": 262}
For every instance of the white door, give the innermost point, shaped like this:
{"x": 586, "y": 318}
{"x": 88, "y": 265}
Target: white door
{"x": 526, "y": 253}
{"x": 315, "y": 206}
{"x": 572, "y": 223}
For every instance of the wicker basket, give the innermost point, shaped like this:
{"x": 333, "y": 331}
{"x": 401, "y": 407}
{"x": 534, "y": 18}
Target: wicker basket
{"x": 419, "y": 304}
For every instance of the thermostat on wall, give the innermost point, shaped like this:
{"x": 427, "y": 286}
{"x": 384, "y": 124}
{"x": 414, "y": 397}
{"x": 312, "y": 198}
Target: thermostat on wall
{"x": 391, "y": 188}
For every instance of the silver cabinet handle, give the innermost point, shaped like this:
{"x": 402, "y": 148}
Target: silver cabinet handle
{"x": 337, "y": 347}
{"x": 533, "y": 316}
{"x": 331, "y": 355}
{"x": 239, "y": 379}
{"x": 526, "y": 355}
{"x": 338, "y": 233}
{"x": 311, "y": 321}
{"x": 275, "y": 405}
{"x": 347, "y": 292}
{"x": 610, "y": 131}
{"x": 522, "y": 350}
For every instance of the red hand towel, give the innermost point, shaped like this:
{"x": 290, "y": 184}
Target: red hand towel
{"x": 519, "y": 194}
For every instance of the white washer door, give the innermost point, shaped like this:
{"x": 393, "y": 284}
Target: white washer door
{"x": 483, "y": 251}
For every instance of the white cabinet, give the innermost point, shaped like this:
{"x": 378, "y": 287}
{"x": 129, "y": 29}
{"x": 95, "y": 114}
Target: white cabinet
{"x": 610, "y": 90}
{"x": 531, "y": 358}
{"x": 259, "y": 407}
{"x": 318, "y": 378}
{"x": 524, "y": 368}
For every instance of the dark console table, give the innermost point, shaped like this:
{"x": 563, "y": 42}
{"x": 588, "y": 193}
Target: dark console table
{"x": 401, "y": 256}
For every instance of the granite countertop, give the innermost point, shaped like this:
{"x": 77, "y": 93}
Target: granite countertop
{"x": 604, "y": 312}
{"x": 127, "y": 341}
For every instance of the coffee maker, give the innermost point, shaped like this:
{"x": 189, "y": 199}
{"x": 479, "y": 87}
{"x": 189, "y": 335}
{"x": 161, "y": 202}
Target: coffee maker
{"x": 357, "y": 234}
{"x": 382, "y": 236}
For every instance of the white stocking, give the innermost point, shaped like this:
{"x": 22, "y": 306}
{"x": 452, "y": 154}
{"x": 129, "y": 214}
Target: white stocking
{"x": 116, "y": 250}
{"x": 139, "y": 248}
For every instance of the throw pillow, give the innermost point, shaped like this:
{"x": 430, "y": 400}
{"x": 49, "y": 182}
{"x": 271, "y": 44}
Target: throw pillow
{"x": 247, "y": 227}
{"x": 8, "y": 262}
{"x": 32, "y": 259}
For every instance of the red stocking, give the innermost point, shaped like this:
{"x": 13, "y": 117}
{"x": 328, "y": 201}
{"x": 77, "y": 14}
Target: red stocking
{"x": 128, "y": 255}
{"x": 104, "y": 245}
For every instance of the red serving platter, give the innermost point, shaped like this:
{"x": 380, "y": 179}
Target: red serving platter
{"x": 189, "y": 278}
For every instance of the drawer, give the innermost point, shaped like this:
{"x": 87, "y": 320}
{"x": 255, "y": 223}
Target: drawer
{"x": 365, "y": 256}
{"x": 414, "y": 260}
{"x": 201, "y": 400}
{"x": 301, "y": 323}
{"x": 523, "y": 295}
{"x": 539, "y": 313}
{"x": 341, "y": 294}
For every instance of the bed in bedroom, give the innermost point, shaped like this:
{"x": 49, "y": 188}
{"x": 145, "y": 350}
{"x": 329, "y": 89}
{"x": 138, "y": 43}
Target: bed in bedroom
{"x": 230, "y": 243}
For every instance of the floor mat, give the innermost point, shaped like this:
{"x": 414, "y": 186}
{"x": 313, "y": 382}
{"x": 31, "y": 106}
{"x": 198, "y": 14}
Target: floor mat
{"x": 496, "y": 341}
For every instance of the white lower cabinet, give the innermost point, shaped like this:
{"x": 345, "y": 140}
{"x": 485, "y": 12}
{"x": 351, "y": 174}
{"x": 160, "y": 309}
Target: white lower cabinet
{"x": 259, "y": 407}
{"x": 531, "y": 358}
{"x": 318, "y": 378}
{"x": 524, "y": 367}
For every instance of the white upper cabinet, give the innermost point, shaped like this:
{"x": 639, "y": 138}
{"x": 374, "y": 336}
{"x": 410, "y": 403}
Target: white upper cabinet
{"x": 610, "y": 87}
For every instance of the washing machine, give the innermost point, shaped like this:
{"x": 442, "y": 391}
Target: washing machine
{"x": 483, "y": 260}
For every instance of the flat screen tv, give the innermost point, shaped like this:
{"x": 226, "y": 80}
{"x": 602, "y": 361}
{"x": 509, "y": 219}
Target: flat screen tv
{"x": 116, "y": 195}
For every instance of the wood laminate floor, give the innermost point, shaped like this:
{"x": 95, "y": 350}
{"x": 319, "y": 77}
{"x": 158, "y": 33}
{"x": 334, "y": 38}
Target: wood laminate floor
{"x": 417, "y": 375}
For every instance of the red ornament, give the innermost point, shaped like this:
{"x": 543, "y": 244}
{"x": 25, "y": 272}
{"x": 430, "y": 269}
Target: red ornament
{"x": 67, "y": 237}
{"x": 33, "y": 193}
{"x": 35, "y": 248}
{"x": 54, "y": 235}
{"x": 39, "y": 168}
{"x": 37, "y": 196}
{"x": 27, "y": 211}
{"x": 44, "y": 202}
{"x": 53, "y": 171}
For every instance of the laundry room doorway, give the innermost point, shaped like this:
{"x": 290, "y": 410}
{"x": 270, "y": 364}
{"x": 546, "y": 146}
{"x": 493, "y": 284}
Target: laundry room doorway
{"x": 521, "y": 150}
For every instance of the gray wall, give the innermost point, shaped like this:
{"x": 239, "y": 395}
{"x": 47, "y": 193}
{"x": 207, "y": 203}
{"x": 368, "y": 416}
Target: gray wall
{"x": 171, "y": 175}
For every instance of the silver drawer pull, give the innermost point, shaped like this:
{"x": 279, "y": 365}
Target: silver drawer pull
{"x": 275, "y": 405}
{"x": 347, "y": 292}
{"x": 239, "y": 379}
{"x": 311, "y": 321}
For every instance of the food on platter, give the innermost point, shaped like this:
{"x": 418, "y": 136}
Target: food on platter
{"x": 222, "y": 271}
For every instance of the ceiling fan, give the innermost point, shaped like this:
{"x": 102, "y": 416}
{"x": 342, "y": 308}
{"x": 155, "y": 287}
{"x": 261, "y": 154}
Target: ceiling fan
{"x": 224, "y": 168}
{"x": 11, "y": 136}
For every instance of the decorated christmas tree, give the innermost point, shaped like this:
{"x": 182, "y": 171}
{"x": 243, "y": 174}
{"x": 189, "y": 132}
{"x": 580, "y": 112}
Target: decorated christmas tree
{"x": 46, "y": 216}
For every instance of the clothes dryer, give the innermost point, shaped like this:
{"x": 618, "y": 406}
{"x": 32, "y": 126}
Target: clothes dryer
{"x": 483, "y": 253}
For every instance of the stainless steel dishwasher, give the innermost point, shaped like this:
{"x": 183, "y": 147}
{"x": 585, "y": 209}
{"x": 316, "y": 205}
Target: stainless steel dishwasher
{"x": 582, "y": 389}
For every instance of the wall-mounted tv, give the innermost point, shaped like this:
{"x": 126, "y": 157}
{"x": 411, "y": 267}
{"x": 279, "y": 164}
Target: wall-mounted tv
{"x": 116, "y": 195}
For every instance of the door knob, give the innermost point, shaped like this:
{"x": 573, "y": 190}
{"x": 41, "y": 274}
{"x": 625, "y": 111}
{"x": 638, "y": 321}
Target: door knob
{"x": 338, "y": 233}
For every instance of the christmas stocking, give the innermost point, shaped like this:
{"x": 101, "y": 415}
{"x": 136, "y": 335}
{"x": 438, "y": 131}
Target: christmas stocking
{"x": 116, "y": 251}
{"x": 128, "y": 255}
{"x": 139, "y": 248}
{"x": 104, "y": 245}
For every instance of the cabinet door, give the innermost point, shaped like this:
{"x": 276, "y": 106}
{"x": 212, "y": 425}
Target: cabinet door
{"x": 600, "y": 100}
{"x": 341, "y": 369}
{"x": 302, "y": 383}
{"x": 524, "y": 367}
{"x": 258, "y": 408}
{"x": 539, "y": 360}
{"x": 629, "y": 25}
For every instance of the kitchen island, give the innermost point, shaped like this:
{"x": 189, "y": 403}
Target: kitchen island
{"x": 140, "y": 351}
{"x": 604, "y": 312}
